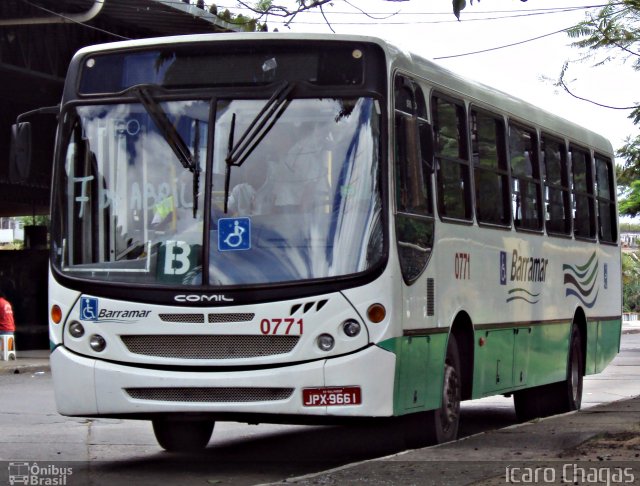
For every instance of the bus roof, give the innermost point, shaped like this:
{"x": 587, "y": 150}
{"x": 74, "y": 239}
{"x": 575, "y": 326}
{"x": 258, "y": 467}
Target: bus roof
{"x": 399, "y": 58}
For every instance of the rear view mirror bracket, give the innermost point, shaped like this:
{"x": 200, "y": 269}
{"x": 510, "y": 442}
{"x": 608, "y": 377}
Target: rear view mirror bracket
{"x": 20, "y": 155}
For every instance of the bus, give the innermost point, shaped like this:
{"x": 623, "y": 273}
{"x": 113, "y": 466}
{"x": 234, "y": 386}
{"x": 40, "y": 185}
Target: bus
{"x": 310, "y": 229}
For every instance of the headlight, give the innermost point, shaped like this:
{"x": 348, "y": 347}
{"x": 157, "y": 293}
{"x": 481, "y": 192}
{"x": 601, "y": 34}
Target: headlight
{"x": 76, "y": 329}
{"x": 351, "y": 327}
{"x": 326, "y": 342}
{"x": 97, "y": 343}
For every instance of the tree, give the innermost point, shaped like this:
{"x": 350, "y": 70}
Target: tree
{"x": 264, "y": 8}
{"x": 631, "y": 282}
{"x": 614, "y": 33}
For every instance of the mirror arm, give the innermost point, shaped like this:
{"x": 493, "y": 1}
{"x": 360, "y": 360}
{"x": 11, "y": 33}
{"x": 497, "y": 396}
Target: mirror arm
{"x": 46, "y": 110}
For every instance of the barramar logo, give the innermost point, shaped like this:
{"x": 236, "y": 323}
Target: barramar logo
{"x": 91, "y": 311}
{"x": 525, "y": 270}
{"x": 580, "y": 281}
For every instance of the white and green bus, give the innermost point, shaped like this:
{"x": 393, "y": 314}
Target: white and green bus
{"x": 320, "y": 229}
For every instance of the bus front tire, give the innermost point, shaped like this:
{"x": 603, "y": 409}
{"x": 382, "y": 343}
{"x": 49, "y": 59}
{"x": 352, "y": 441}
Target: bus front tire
{"x": 556, "y": 398}
{"x": 182, "y": 435}
{"x": 439, "y": 425}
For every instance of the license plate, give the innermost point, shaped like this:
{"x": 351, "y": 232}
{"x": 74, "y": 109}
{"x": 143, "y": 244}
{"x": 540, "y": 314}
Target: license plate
{"x": 328, "y": 397}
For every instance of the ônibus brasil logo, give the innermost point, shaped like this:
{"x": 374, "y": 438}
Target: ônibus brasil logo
{"x": 38, "y": 475}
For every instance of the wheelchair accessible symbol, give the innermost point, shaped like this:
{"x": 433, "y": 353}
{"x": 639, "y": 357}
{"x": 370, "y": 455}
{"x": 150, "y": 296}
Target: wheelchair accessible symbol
{"x": 234, "y": 234}
{"x": 88, "y": 309}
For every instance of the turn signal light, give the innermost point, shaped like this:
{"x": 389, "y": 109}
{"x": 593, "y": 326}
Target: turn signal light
{"x": 56, "y": 314}
{"x": 376, "y": 313}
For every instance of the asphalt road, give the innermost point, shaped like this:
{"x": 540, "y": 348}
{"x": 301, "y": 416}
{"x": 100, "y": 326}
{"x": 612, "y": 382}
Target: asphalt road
{"x": 115, "y": 451}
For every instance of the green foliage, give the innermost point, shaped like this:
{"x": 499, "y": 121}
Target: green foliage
{"x": 39, "y": 220}
{"x": 264, "y": 5}
{"x": 615, "y": 27}
{"x": 614, "y": 33}
{"x": 630, "y": 282}
{"x": 248, "y": 24}
{"x": 631, "y": 298}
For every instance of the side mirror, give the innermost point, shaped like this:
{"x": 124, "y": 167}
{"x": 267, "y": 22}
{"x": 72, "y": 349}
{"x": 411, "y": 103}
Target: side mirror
{"x": 427, "y": 145}
{"x": 20, "y": 152}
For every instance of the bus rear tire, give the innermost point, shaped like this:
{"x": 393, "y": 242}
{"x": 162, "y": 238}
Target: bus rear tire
{"x": 556, "y": 398}
{"x": 182, "y": 435}
{"x": 440, "y": 425}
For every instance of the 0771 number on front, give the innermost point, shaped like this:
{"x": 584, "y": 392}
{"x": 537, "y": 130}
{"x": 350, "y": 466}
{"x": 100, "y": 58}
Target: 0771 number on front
{"x": 286, "y": 326}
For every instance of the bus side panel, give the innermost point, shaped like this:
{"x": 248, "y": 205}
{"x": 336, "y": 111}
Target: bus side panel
{"x": 549, "y": 353}
{"x": 609, "y": 333}
{"x": 493, "y": 361}
{"x": 592, "y": 348}
{"x": 419, "y": 372}
{"x": 519, "y": 357}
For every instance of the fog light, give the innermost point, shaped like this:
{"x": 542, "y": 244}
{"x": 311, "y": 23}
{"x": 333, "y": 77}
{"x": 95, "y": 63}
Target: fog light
{"x": 351, "y": 327}
{"x": 97, "y": 343}
{"x": 325, "y": 342}
{"x": 76, "y": 329}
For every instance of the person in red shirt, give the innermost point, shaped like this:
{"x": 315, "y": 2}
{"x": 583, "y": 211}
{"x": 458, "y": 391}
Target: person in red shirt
{"x": 7, "y": 324}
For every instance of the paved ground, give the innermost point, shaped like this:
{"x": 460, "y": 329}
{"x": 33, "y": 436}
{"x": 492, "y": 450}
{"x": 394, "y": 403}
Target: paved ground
{"x": 576, "y": 448}
{"x": 598, "y": 445}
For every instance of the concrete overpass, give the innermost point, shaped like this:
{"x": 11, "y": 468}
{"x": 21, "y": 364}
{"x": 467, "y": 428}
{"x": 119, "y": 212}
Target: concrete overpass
{"x": 37, "y": 40}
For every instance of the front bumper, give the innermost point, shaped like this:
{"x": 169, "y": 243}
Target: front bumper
{"x": 90, "y": 387}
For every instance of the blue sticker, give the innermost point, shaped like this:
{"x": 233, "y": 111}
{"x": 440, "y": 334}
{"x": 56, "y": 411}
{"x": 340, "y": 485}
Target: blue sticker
{"x": 88, "y": 309}
{"x": 234, "y": 234}
{"x": 503, "y": 268}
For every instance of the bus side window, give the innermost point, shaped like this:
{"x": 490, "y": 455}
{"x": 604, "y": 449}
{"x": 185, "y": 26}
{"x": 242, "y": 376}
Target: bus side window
{"x": 556, "y": 186}
{"x": 413, "y": 168}
{"x": 490, "y": 169}
{"x": 525, "y": 178}
{"x": 606, "y": 195}
{"x": 452, "y": 159}
{"x": 584, "y": 224}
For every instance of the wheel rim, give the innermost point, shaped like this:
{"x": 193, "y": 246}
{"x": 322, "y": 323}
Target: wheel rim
{"x": 575, "y": 376}
{"x": 450, "y": 398}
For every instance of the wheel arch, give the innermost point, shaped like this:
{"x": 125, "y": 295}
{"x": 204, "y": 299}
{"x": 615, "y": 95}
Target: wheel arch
{"x": 462, "y": 329}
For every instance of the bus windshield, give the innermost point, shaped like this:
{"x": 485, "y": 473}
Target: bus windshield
{"x": 305, "y": 202}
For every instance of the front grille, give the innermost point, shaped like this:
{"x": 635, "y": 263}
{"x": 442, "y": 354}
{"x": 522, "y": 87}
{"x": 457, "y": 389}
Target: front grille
{"x": 209, "y": 347}
{"x": 244, "y": 317}
{"x": 209, "y": 395}
{"x": 212, "y": 318}
{"x": 184, "y": 318}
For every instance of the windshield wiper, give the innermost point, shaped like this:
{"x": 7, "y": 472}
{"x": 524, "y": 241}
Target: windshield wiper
{"x": 173, "y": 138}
{"x": 239, "y": 151}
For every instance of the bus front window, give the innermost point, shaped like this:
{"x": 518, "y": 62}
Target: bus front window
{"x": 306, "y": 202}
{"x": 125, "y": 200}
